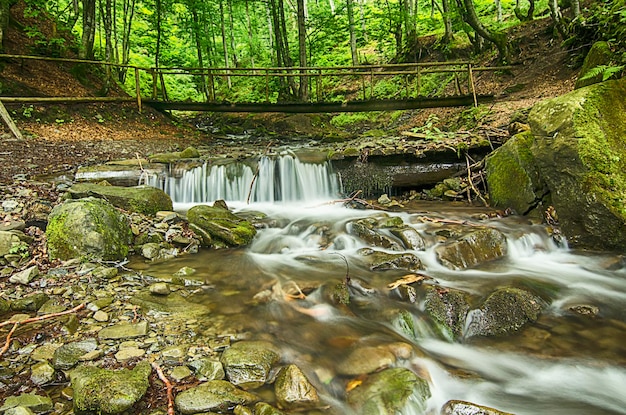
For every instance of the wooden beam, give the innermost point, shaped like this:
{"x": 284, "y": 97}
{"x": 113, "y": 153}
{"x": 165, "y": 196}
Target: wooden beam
{"x": 64, "y": 100}
{"x": 9, "y": 122}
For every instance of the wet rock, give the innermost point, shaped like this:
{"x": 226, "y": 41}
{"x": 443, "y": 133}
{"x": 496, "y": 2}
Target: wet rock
{"x": 66, "y": 356}
{"x": 128, "y": 353}
{"x": 468, "y": 408}
{"x": 159, "y": 288}
{"x": 364, "y": 230}
{"x": 25, "y": 276}
{"x": 215, "y": 395}
{"x": 106, "y": 273}
{"x": 293, "y": 389}
{"x": 208, "y": 369}
{"x": 124, "y": 331}
{"x": 32, "y": 401}
{"x": 387, "y": 392}
{"x": 41, "y": 373}
{"x": 366, "y": 359}
{"x": 184, "y": 272}
{"x": 264, "y": 408}
{"x": 87, "y": 228}
{"x": 30, "y": 303}
{"x": 166, "y": 158}
{"x": 504, "y": 311}
{"x": 248, "y": 363}
{"x": 411, "y": 239}
{"x": 382, "y": 261}
{"x": 19, "y": 410}
{"x": 584, "y": 310}
{"x": 480, "y": 246}
{"x": 104, "y": 391}
{"x": 172, "y": 303}
{"x": 223, "y": 227}
{"x": 448, "y": 307}
{"x": 147, "y": 200}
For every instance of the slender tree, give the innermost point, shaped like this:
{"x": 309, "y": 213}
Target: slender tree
{"x": 529, "y": 14}
{"x": 304, "y": 82}
{"x": 499, "y": 39}
{"x": 353, "y": 50}
{"x": 89, "y": 29}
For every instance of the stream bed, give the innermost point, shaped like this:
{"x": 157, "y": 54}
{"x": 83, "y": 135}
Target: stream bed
{"x": 571, "y": 360}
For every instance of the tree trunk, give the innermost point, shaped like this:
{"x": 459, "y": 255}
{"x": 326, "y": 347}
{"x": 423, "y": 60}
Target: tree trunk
{"x": 353, "y": 50}
{"x": 106, "y": 13}
{"x": 498, "y": 4}
{"x": 362, "y": 15}
{"x": 231, "y": 28}
{"x": 250, "y": 35}
{"x": 89, "y": 29}
{"x": 448, "y": 34}
{"x": 499, "y": 39}
{"x": 529, "y": 14}
{"x": 224, "y": 43}
{"x": 304, "y": 81}
{"x": 196, "y": 35}
{"x": 575, "y": 8}
{"x": 5, "y": 12}
{"x": 157, "y": 53}
{"x": 557, "y": 17}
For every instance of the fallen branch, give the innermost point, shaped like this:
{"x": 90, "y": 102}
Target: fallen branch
{"x": 32, "y": 320}
{"x": 256, "y": 173}
{"x": 471, "y": 183}
{"x": 168, "y": 386}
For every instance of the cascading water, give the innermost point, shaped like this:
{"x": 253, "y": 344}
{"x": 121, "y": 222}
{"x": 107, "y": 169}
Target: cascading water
{"x": 276, "y": 180}
{"x": 564, "y": 363}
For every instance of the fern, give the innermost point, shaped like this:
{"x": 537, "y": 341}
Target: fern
{"x": 606, "y": 71}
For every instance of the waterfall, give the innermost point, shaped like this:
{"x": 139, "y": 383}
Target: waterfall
{"x": 281, "y": 179}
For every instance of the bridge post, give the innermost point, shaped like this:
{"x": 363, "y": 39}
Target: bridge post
{"x": 267, "y": 85}
{"x": 154, "y": 83}
{"x": 211, "y": 85}
{"x": 137, "y": 89}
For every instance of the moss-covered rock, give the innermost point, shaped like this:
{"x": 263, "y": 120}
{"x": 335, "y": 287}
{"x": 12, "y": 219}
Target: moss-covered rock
{"x": 477, "y": 247}
{"x": 448, "y": 307}
{"x": 215, "y": 395}
{"x": 599, "y": 54}
{"x": 142, "y": 199}
{"x": 248, "y": 363}
{"x": 513, "y": 180}
{"x": 87, "y": 228}
{"x": 469, "y": 408}
{"x": 505, "y": 311}
{"x": 580, "y": 153}
{"x": 188, "y": 153}
{"x": 383, "y": 261}
{"x": 219, "y": 227}
{"x": 293, "y": 389}
{"x": 387, "y": 392}
{"x": 103, "y": 391}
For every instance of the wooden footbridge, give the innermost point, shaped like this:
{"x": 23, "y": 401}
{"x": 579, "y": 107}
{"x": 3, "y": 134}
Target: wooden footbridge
{"x": 326, "y": 89}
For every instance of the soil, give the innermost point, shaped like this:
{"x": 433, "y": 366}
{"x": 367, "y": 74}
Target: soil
{"x": 59, "y": 138}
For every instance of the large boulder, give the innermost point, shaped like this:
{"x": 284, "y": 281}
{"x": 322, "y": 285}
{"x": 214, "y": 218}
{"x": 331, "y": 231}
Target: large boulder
{"x": 142, "y": 199}
{"x": 293, "y": 389}
{"x": 579, "y": 151}
{"x": 599, "y": 55}
{"x": 475, "y": 248}
{"x": 248, "y": 363}
{"x": 514, "y": 181}
{"x": 219, "y": 227}
{"x": 88, "y": 228}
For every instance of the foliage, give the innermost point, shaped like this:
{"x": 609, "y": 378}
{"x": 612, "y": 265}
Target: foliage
{"x": 607, "y": 71}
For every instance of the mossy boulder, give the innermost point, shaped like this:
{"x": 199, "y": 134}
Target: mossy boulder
{"x": 475, "y": 248}
{"x": 599, "y": 54}
{"x": 218, "y": 227}
{"x": 188, "y": 153}
{"x": 142, "y": 199}
{"x": 469, "y": 408}
{"x": 87, "y": 228}
{"x": 513, "y": 180}
{"x": 505, "y": 311}
{"x": 387, "y": 392}
{"x": 215, "y": 395}
{"x": 580, "y": 153}
{"x": 293, "y": 389}
{"x": 248, "y": 363}
{"x": 448, "y": 307}
{"x": 103, "y": 391}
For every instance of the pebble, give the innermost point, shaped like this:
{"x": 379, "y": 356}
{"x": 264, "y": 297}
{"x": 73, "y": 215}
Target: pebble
{"x": 160, "y": 288}
{"x": 101, "y": 316}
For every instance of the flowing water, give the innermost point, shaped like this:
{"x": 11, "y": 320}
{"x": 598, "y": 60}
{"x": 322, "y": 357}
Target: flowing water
{"x": 565, "y": 363}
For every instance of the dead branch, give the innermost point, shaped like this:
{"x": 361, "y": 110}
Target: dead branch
{"x": 32, "y": 320}
{"x": 168, "y": 386}
{"x": 471, "y": 183}
{"x": 256, "y": 173}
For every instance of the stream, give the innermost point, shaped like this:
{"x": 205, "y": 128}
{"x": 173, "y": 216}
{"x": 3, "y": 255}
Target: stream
{"x": 566, "y": 362}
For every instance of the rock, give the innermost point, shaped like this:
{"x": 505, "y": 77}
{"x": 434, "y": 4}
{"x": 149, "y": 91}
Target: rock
{"x": 224, "y": 228}
{"x": 159, "y": 288}
{"x": 411, "y": 239}
{"x": 166, "y": 158}
{"x": 151, "y": 250}
{"x": 477, "y": 247}
{"x": 128, "y": 353}
{"x": 105, "y": 273}
{"x": 387, "y": 392}
{"x": 104, "y": 391}
{"x": 180, "y": 372}
{"x": 101, "y": 316}
{"x": 4, "y": 306}
{"x": 147, "y": 200}
{"x": 66, "y": 356}
{"x": 448, "y": 307}
{"x": 293, "y": 389}
{"x": 381, "y": 261}
{"x": 41, "y": 373}
{"x": 10, "y": 240}
{"x": 366, "y": 359}
{"x": 599, "y": 54}
{"x": 30, "y": 303}
{"x": 87, "y": 228}
{"x": 124, "y": 331}
{"x": 468, "y": 408}
{"x": 579, "y": 152}
{"x": 364, "y": 230}
{"x": 19, "y": 410}
{"x": 384, "y": 200}
{"x": 512, "y": 177}
{"x": 215, "y": 395}
{"x": 25, "y": 276}
{"x": 208, "y": 369}
{"x": 505, "y": 311}
{"x": 172, "y": 303}
{"x": 35, "y": 403}
{"x": 248, "y": 363}
{"x": 184, "y": 272}
{"x": 264, "y": 408}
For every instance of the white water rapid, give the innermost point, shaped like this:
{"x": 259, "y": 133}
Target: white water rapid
{"x": 566, "y": 362}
